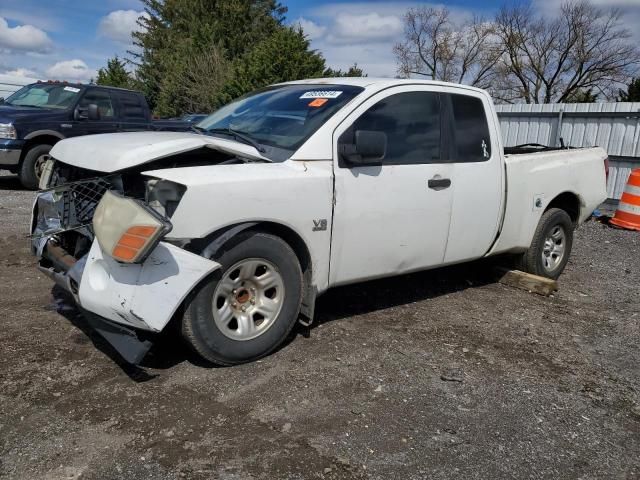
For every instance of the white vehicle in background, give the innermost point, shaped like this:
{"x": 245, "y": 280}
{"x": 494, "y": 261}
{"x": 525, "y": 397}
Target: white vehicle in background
{"x": 235, "y": 229}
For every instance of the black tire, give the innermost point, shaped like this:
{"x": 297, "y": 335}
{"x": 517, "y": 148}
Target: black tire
{"x": 200, "y": 329}
{"x": 28, "y": 174}
{"x": 532, "y": 261}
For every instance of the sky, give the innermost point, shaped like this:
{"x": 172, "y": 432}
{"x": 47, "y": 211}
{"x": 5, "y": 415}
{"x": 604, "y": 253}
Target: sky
{"x": 71, "y": 39}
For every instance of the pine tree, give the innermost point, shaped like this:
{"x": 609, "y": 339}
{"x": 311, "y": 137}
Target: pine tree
{"x": 633, "y": 92}
{"x": 193, "y": 28}
{"x": 283, "y": 56}
{"x": 195, "y": 55}
{"x": 115, "y": 74}
{"x": 582, "y": 96}
{"x": 354, "y": 71}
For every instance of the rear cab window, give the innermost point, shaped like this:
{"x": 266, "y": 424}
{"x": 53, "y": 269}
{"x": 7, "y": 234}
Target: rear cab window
{"x": 132, "y": 107}
{"x": 469, "y": 136}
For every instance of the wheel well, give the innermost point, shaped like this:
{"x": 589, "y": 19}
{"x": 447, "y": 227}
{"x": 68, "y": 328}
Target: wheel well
{"x": 287, "y": 234}
{"x": 569, "y": 202}
{"x": 291, "y": 237}
{"x": 39, "y": 140}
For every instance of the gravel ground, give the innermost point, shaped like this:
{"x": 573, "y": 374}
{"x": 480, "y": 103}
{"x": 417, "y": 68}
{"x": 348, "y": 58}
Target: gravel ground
{"x": 439, "y": 375}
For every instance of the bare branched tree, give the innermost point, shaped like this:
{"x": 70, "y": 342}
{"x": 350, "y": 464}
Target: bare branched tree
{"x": 582, "y": 49}
{"x": 522, "y": 56}
{"x": 436, "y": 48}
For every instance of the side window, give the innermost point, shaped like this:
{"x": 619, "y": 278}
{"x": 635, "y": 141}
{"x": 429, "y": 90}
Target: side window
{"x": 131, "y": 107}
{"x": 102, "y": 99}
{"x": 470, "y": 137}
{"x": 411, "y": 122}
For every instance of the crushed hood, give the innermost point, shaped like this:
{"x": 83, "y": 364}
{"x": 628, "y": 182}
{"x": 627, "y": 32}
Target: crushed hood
{"x": 111, "y": 152}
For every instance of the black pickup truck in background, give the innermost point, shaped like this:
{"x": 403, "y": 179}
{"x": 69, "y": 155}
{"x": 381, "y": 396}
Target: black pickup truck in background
{"x": 37, "y": 116}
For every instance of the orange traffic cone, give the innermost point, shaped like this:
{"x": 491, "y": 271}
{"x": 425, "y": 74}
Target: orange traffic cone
{"x": 628, "y": 213}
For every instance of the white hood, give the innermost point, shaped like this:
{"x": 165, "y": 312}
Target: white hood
{"x": 111, "y": 152}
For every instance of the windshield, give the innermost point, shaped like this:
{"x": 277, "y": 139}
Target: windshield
{"x": 44, "y": 96}
{"x": 280, "y": 118}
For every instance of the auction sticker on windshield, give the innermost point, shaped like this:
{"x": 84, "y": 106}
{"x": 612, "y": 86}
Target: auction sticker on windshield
{"x": 318, "y": 102}
{"x": 72, "y": 89}
{"x": 322, "y": 94}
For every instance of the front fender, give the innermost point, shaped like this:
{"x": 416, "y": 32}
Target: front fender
{"x": 142, "y": 295}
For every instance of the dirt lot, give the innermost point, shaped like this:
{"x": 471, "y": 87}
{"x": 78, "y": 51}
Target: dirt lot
{"x": 438, "y": 375}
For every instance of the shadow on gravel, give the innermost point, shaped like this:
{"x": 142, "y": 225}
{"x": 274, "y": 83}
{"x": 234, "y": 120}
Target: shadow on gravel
{"x": 10, "y": 182}
{"x": 169, "y": 350}
{"x": 362, "y": 298}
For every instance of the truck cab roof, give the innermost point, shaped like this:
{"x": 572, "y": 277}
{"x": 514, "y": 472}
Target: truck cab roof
{"x": 378, "y": 83}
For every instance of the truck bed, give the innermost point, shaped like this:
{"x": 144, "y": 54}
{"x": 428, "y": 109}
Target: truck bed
{"x": 535, "y": 176}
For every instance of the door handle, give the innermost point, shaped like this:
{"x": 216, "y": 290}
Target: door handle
{"x": 439, "y": 183}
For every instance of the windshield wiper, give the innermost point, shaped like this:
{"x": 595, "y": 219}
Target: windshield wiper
{"x": 197, "y": 129}
{"x": 238, "y": 136}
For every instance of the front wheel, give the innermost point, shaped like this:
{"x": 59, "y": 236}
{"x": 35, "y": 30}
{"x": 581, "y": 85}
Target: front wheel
{"x": 551, "y": 245}
{"x": 249, "y": 306}
{"x": 32, "y": 165}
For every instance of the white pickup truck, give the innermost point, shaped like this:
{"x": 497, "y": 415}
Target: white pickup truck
{"x": 233, "y": 230}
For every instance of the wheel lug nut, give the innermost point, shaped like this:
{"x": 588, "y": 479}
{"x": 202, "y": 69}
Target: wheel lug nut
{"x": 235, "y": 291}
{"x": 244, "y": 309}
{"x": 253, "y": 301}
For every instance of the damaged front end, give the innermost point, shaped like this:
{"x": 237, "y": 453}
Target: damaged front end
{"x": 101, "y": 239}
{"x": 61, "y": 229}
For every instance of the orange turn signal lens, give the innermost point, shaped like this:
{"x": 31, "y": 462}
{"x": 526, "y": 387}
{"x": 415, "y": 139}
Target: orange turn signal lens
{"x": 142, "y": 230}
{"x": 125, "y": 254}
{"x": 132, "y": 242}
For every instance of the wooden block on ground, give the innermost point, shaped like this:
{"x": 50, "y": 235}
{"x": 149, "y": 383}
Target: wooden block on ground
{"x": 526, "y": 281}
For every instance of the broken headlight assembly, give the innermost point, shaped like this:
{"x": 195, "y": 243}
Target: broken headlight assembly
{"x": 163, "y": 196}
{"x": 126, "y": 229}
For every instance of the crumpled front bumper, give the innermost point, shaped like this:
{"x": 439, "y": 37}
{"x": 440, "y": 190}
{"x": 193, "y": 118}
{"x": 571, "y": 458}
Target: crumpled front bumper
{"x": 145, "y": 295}
{"x": 118, "y": 298}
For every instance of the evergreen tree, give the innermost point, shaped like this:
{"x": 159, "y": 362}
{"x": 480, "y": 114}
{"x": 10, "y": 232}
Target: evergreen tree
{"x": 115, "y": 74}
{"x": 633, "y": 92}
{"x": 283, "y": 56}
{"x": 582, "y": 96}
{"x": 193, "y": 27}
{"x": 354, "y": 71}
{"x": 195, "y": 55}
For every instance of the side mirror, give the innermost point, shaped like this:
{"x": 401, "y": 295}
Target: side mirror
{"x": 370, "y": 148}
{"x": 91, "y": 112}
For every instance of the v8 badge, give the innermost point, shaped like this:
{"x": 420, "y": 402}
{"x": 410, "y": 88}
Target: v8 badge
{"x": 320, "y": 225}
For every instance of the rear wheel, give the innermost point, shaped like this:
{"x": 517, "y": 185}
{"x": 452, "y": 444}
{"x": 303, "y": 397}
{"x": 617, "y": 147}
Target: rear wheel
{"x": 551, "y": 245}
{"x": 249, "y": 306}
{"x": 32, "y": 165}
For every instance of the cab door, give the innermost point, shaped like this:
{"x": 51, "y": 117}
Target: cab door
{"x": 394, "y": 217}
{"x": 107, "y": 121}
{"x": 478, "y": 175}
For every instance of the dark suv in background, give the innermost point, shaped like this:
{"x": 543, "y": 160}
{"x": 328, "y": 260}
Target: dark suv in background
{"x": 37, "y": 116}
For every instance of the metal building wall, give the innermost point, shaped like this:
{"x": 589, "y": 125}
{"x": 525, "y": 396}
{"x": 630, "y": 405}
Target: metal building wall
{"x": 613, "y": 126}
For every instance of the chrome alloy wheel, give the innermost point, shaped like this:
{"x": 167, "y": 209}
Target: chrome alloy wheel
{"x": 554, "y": 248}
{"x": 248, "y": 298}
{"x": 39, "y": 165}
